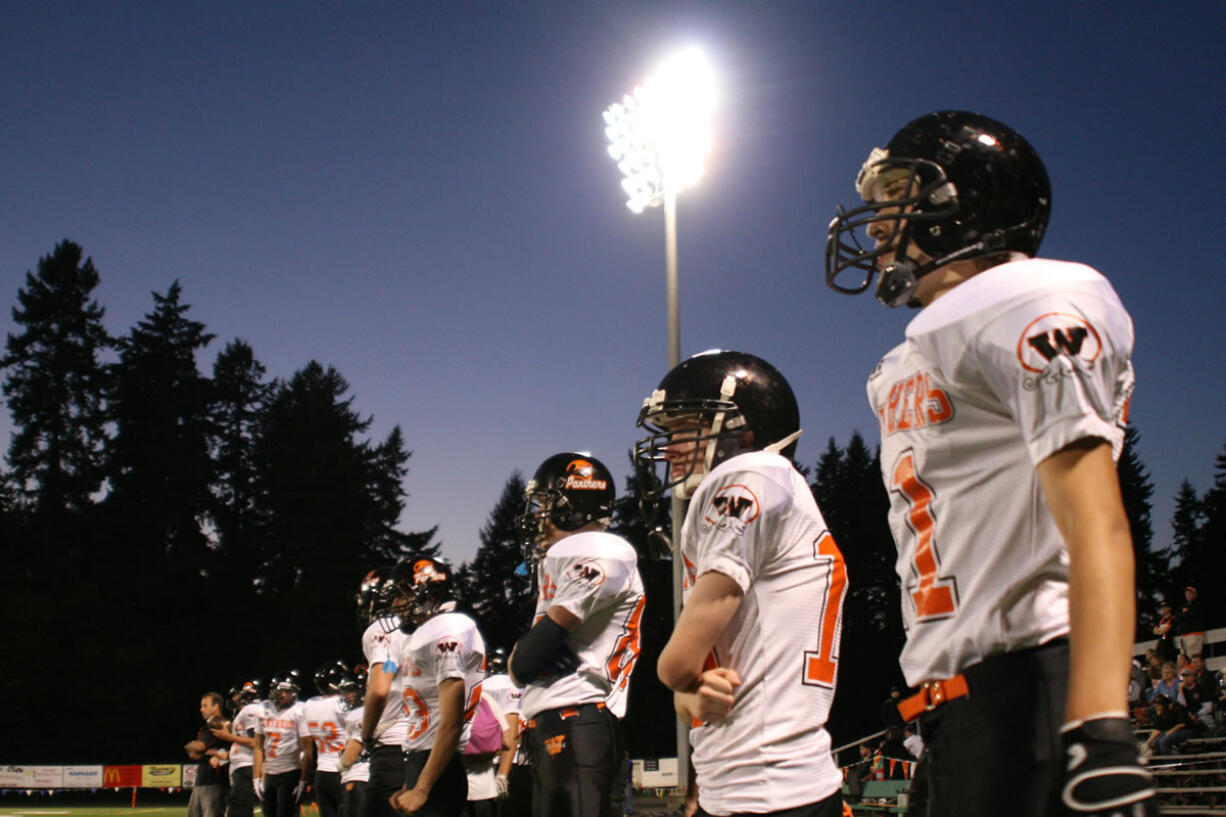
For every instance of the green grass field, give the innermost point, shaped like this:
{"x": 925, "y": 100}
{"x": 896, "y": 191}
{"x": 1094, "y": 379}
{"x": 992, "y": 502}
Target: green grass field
{"x": 42, "y": 810}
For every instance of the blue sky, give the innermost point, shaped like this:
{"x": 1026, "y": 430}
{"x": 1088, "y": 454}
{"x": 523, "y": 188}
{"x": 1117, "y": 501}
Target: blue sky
{"x": 418, "y": 194}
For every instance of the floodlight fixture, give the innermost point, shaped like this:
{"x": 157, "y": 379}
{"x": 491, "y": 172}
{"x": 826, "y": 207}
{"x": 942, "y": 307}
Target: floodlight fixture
{"x": 660, "y": 133}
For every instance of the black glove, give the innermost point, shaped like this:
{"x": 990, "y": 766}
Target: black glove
{"x": 1103, "y": 775}
{"x": 562, "y": 662}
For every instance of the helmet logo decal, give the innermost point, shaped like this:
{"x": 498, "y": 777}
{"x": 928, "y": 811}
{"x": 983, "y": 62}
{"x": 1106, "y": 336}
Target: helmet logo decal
{"x": 587, "y": 573}
{"x": 1057, "y": 334}
{"x": 581, "y": 476}
{"x": 733, "y": 506}
{"x": 425, "y": 571}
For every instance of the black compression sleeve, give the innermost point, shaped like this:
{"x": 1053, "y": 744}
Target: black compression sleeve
{"x": 534, "y": 651}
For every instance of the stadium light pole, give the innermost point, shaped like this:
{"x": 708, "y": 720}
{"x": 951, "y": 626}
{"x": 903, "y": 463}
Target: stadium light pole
{"x": 660, "y": 136}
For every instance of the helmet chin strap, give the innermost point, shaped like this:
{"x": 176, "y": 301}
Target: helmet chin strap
{"x": 776, "y": 447}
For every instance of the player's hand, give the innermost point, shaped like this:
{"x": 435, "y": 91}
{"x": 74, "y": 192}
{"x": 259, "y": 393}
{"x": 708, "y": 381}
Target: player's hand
{"x": 194, "y": 746}
{"x": 258, "y": 785}
{"x": 562, "y": 662}
{"x": 1103, "y": 775}
{"x": 407, "y": 801}
{"x": 298, "y": 791}
{"x": 716, "y": 693}
{"x": 503, "y": 786}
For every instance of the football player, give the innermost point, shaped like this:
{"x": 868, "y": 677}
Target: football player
{"x": 574, "y": 664}
{"x": 384, "y": 720}
{"x": 241, "y": 735}
{"x": 506, "y": 694}
{"x": 354, "y": 764}
{"x": 324, "y": 718}
{"x": 282, "y": 748}
{"x": 1002, "y": 415}
{"x": 443, "y": 665}
{"x": 754, "y": 655}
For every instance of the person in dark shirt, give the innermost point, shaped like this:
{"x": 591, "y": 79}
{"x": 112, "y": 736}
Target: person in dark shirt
{"x": 1190, "y": 625}
{"x": 209, "y": 792}
{"x": 1172, "y": 726}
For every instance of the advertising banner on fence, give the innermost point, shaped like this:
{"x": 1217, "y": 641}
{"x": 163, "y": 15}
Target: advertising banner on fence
{"x": 82, "y": 777}
{"x": 120, "y": 777}
{"x": 161, "y": 777}
{"x": 31, "y": 777}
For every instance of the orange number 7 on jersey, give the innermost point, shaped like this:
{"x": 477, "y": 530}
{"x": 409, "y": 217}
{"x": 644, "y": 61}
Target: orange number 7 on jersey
{"x": 935, "y": 596}
{"x": 821, "y": 666}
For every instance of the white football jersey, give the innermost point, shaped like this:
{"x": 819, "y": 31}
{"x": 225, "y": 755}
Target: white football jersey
{"x": 504, "y": 692}
{"x": 443, "y": 647}
{"x": 243, "y": 725}
{"x": 360, "y": 770}
{"x": 384, "y": 648}
{"x": 754, "y": 520}
{"x": 281, "y": 731}
{"x": 595, "y": 577}
{"x": 324, "y": 719}
{"x": 1006, "y": 369}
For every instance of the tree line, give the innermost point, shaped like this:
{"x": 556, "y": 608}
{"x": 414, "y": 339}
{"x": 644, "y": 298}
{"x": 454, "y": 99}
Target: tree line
{"x": 164, "y": 529}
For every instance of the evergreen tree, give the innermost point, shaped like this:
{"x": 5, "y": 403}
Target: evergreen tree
{"x": 499, "y": 589}
{"x": 1211, "y": 544}
{"x": 1151, "y": 567}
{"x": 55, "y": 386}
{"x": 160, "y": 468}
{"x": 240, "y": 395}
{"x": 1186, "y": 522}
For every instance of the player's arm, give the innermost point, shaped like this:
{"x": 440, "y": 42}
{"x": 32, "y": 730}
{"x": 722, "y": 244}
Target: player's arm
{"x": 510, "y": 739}
{"x": 306, "y": 755}
{"x": 704, "y": 695}
{"x": 446, "y": 743}
{"x": 543, "y": 651}
{"x": 378, "y": 687}
{"x": 233, "y": 737}
{"x": 353, "y": 749}
{"x": 1081, "y": 486}
{"x": 257, "y": 764}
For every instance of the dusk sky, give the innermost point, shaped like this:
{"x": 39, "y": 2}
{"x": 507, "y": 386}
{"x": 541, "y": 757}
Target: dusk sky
{"x": 418, "y": 194}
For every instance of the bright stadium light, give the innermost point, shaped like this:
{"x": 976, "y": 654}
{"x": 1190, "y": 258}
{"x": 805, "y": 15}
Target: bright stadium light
{"x": 660, "y": 137}
{"x": 660, "y": 133}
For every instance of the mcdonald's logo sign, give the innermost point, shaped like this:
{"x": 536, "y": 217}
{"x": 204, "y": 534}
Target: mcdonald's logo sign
{"x": 121, "y": 777}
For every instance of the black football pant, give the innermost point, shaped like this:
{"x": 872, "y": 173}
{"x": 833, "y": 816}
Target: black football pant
{"x": 279, "y": 799}
{"x": 241, "y": 802}
{"x": 450, "y": 791}
{"x": 1000, "y": 744}
{"x": 577, "y": 752}
{"x": 386, "y": 778}
{"x": 352, "y": 794}
{"x": 328, "y": 793}
{"x": 519, "y": 791}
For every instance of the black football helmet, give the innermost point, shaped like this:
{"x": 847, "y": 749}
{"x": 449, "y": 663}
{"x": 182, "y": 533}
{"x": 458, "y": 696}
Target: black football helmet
{"x": 568, "y": 490}
{"x": 974, "y": 187}
{"x": 725, "y": 403}
{"x": 248, "y": 691}
{"x": 352, "y": 687}
{"x": 423, "y": 588}
{"x": 329, "y": 675}
{"x": 283, "y": 688}
{"x": 375, "y": 597}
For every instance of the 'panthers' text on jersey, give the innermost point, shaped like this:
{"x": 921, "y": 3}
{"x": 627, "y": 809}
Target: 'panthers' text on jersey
{"x": 754, "y": 520}
{"x": 325, "y": 719}
{"x": 1008, "y": 368}
{"x": 382, "y": 643}
{"x": 243, "y": 725}
{"x": 444, "y": 647}
{"x": 281, "y": 730}
{"x": 595, "y": 577}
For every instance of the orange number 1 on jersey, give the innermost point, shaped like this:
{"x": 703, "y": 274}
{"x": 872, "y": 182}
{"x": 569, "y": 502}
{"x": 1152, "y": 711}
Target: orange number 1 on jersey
{"x": 934, "y": 595}
{"x": 821, "y": 666}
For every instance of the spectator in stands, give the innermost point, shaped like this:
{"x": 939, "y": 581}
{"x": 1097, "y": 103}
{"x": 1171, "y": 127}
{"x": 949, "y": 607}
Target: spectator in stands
{"x": 1172, "y": 726}
{"x": 913, "y": 742}
{"x": 1206, "y": 679}
{"x": 1154, "y": 667}
{"x": 1190, "y": 625}
{"x": 1190, "y": 695}
{"x": 890, "y": 716}
{"x": 1167, "y": 685}
{"x": 209, "y": 792}
{"x": 1165, "y": 630}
